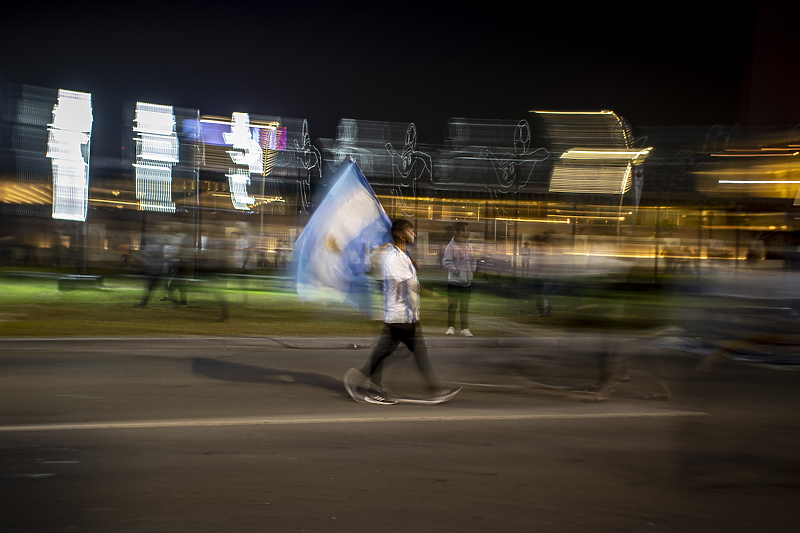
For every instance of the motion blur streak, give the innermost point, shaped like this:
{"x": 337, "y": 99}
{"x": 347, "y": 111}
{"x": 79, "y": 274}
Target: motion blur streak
{"x": 68, "y": 146}
{"x": 339, "y": 420}
{"x": 156, "y": 153}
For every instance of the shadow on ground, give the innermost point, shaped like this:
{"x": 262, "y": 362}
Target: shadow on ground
{"x": 237, "y": 372}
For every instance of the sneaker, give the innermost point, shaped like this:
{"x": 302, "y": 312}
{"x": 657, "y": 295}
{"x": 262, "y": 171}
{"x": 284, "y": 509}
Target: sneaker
{"x": 466, "y": 333}
{"x": 450, "y": 331}
{"x": 378, "y": 397}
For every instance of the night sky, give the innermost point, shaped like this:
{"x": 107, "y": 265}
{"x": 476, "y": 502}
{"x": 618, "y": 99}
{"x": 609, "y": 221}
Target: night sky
{"x": 669, "y": 64}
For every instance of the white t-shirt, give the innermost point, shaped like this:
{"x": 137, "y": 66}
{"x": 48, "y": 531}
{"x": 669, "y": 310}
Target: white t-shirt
{"x": 400, "y": 300}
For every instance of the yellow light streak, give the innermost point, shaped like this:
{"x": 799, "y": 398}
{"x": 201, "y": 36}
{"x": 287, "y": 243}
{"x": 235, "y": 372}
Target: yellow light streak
{"x": 268, "y": 199}
{"x": 533, "y": 220}
{"x": 755, "y": 155}
{"x": 100, "y": 201}
{"x": 749, "y": 228}
{"x": 262, "y": 199}
{"x": 227, "y": 122}
{"x": 742, "y": 172}
{"x": 574, "y": 112}
{"x": 758, "y": 182}
{"x": 605, "y": 154}
{"x": 762, "y": 149}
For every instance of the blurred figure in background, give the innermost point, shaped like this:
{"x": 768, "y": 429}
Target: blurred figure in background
{"x": 125, "y": 253}
{"x": 280, "y": 255}
{"x": 155, "y": 266}
{"x": 215, "y": 269}
{"x": 181, "y": 269}
{"x": 459, "y": 260}
{"x": 525, "y": 254}
{"x": 243, "y": 259}
{"x": 542, "y": 266}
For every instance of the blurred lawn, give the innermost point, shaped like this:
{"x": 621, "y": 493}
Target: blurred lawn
{"x": 34, "y": 307}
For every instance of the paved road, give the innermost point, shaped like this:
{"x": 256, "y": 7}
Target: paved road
{"x": 251, "y": 435}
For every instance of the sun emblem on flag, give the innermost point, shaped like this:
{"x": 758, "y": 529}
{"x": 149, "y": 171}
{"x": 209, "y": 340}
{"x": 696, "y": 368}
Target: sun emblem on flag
{"x": 332, "y": 245}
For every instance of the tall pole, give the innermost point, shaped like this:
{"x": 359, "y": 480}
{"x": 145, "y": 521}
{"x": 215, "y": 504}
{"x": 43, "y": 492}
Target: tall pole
{"x": 86, "y": 245}
{"x": 699, "y": 240}
{"x": 738, "y": 224}
{"x": 198, "y": 158}
{"x": 516, "y": 237}
{"x": 574, "y": 223}
{"x": 658, "y": 225}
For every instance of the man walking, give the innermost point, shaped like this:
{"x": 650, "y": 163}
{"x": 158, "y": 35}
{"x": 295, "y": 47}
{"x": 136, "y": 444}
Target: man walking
{"x": 401, "y": 317}
{"x": 459, "y": 260}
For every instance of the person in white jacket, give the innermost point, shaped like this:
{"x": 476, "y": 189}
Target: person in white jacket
{"x": 459, "y": 260}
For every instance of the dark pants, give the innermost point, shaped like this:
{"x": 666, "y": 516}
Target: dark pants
{"x": 391, "y": 336}
{"x": 458, "y": 297}
{"x": 542, "y": 292}
{"x": 152, "y": 281}
{"x": 179, "y": 281}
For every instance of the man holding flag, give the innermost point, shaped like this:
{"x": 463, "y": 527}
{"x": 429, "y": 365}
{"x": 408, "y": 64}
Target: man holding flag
{"x": 331, "y": 260}
{"x": 401, "y": 318}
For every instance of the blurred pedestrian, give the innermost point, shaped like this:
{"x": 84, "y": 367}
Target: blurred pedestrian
{"x": 215, "y": 267}
{"x": 181, "y": 271}
{"x": 459, "y": 260}
{"x": 542, "y": 272}
{"x": 243, "y": 260}
{"x": 525, "y": 254}
{"x": 155, "y": 266}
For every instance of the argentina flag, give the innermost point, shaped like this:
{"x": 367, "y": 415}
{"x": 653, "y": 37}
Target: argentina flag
{"x": 331, "y": 256}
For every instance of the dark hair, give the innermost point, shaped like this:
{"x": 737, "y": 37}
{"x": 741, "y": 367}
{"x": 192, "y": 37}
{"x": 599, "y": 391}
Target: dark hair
{"x": 459, "y": 226}
{"x": 399, "y": 225}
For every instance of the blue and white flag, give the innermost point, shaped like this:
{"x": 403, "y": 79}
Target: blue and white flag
{"x": 331, "y": 256}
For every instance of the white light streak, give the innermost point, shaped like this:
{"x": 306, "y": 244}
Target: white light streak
{"x": 68, "y": 145}
{"x": 631, "y": 155}
{"x": 251, "y": 155}
{"x": 157, "y": 150}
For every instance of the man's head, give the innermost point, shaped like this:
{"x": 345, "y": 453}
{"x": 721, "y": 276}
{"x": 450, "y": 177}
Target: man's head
{"x": 403, "y": 231}
{"x": 461, "y": 232}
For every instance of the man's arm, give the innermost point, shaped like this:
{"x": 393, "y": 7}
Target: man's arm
{"x": 447, "y": 260}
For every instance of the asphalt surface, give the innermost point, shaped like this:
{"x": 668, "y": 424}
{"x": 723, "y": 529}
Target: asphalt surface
{"x": 259, "y": 435}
